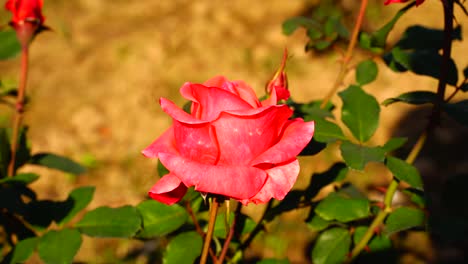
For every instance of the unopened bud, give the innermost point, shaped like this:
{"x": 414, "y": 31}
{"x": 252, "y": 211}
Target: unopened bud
{"x": 278, "y": 84}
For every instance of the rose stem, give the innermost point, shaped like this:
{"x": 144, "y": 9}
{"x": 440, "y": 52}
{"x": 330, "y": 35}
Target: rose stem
{"x": 348, "y": 55}
{"x": 19, "y": 109}
{"x": 194, "y": 218}
{"x": 434, "y": 119}
{"x": 213, "y": 213}
{"x": 197, "y": 227}
{"x": 229, "y": 235}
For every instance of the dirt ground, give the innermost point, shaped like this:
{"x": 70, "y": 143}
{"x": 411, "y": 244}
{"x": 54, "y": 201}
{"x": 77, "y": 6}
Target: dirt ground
{"x": 96, "y": 78}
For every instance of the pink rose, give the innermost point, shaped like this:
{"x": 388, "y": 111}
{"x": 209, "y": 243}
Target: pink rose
{"x": 418, "y": 2}
{"x": 231, "y": 144}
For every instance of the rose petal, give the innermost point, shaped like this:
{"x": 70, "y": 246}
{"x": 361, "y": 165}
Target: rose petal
{"x": 238, "y": 182}
{"x": 169, "y": 190}
{"x": 247, "y": 134}
{"x": 175, "y": 112}
{"x": 294, "y": 139}
{"x": 165, "y": 143}
{"x": 208, "y": 102}
{"x": 196, "y": 142}
{"x": 279, "y": 182}
{"x": 239, "y": 88}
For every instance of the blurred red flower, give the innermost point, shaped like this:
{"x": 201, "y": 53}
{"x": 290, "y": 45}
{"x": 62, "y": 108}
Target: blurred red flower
{"x": 231, "y": 144}
{"x": 25, "y": 11}
{"x": 418, "y": 2}
{"x": 27, "y": 19}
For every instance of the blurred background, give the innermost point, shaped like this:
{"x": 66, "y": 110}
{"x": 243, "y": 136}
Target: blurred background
{"x": 96, "y": 77}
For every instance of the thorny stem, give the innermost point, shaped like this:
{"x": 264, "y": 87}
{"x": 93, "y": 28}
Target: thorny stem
{"x": 348, "y": 55}
{"x": 447, "y": 49}
{"x": 457, "y": 89}
{"x": 18, "y": 115}
{"x": 433, "y": 121}
{"x": 198, "y": 228}
{"x": 209, "y": 234}
{"x": 194, "y": 218}
{"x": 229, "y": 235}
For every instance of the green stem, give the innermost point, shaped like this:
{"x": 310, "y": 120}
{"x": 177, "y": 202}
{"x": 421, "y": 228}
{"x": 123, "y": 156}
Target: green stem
{"x": 348, "y": 55}
{"x": 18, "y": 115}
{"x": 209, "y": 234}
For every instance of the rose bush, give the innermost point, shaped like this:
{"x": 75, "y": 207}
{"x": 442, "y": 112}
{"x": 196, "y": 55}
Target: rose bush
{"x": 231, "y": 144}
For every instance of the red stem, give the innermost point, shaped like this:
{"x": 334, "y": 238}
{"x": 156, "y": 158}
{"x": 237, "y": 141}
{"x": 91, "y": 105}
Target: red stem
{"x": 18, "y": 115}
{"x": 229, "y": 235}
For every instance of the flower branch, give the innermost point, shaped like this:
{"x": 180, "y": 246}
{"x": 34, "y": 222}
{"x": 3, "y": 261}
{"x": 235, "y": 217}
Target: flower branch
{"x": 433, "y": 121}
{"x": 349, "y": 54}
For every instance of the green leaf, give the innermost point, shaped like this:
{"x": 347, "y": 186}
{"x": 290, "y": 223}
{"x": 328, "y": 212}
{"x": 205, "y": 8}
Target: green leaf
{"x": 317, "y": 223}
{"x": 220, "y": 227}
{"x": 416, "y": 196}
{"x": 110, "y": 222}
{"x": 419, "y": 37}
{"x": 366, "y": 72}
{"x": 357, "y": 156}
{"x": 458, "y": 111}
{"x": 57, "y": 162}
{"x": 41, "y": 213}
{"x": 394, "y": 144}
{"x": 422, "y": 62}
{"x": 377, "y": 243}
{"x": 379, "y": 38}
{"x": 22, "y": 178}
{"x": 320, "y": 180}
{"x": 342, "y": 209}
{"x": 59, "y": 246}
{"x": 160, "y": 219}
{"x": 311, "y": 110}
{"x": 24, "y": 249}
{"x": 161, "y": 169}
{"x": 79, "y": 198}
{"x": 5, "y": 152}
{"x": 183, "y": 249}
{"x": 332, "y": 246}
{"x": 360, "y": 112}
{"x": 327, "y": 132}
{"x": 273, "y": 261}
{"x": 290, "y": 25}
{"x": 415, "y": 98}
{"x": 405, "y": 172}
{"x": 9, "y": 44}
{"x": 404, "y": 218}
{"x": 322, "y": 44}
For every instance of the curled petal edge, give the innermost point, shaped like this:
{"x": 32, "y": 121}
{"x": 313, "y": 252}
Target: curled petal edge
{"x": 169, "y": 190}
